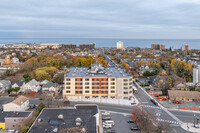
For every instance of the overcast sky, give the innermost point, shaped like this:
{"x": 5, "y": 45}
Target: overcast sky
{"x": 150, "y": 19}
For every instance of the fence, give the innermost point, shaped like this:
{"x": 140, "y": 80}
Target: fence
{"x": 108, "y": 101}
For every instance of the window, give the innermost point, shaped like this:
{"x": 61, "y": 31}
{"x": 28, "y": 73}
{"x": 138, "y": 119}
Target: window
{"x": 86, "y": 79}
{"x": 130, "y": 79}
{"x": 125, "y": 88}
{"x": 68, "y": 83}
{"x": 112, "y": 79}
{"x": 87, "y": 91}
{"x": 113, "y": 83}
{"x": 125, "y": 97}
{"x": 130, "y": 83}
{"x": 125, "y": 83}
{"x": 67, "y": 91}
{"x": 125, "y": 92}
{"x": 78, "y": 83}
{"x": 125, "y": 80}
{"x": 87, "y": 87}
{"x": 112, "y": 91}
{"x": 67, "y": 87}
{"x": 67, "y": 79}
{"x": 130, "y": 92}
{"x": 87, "y": 83}
{"x": 112, "y": 87}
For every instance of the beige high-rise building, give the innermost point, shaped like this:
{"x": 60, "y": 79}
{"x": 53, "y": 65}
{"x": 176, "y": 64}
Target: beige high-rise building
{"x": 158, "y": 46}
{"x": 120, "y": 45}
{"x": 97, "y": 82}
{"x": 185, "y": 48}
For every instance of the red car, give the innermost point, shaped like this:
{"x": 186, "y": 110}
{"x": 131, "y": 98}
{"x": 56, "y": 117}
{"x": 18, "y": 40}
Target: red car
{"x": 177, "y": 102}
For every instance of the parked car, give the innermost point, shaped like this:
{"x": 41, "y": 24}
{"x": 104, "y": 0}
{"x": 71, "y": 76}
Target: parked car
{"x": 177, "y": 102}
{"x": 105, "y": 113}
{"x": 32, "y": 106}
{"x": 109, "y": 131}
{"x": 109, "y": 122}
{"x": 107, "y": 126}
{"x": 135, "y": 128}
{"x": 154, "y": 102}
{"x": 130, "y": 121}
{"x": 106, "y": 118}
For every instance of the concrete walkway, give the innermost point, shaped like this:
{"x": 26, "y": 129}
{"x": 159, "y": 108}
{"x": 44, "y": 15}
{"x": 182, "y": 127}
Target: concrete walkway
{"x": 190, "y": 127}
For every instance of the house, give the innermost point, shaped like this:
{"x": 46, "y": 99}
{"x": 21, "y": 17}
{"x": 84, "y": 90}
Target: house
{"x": 13, "y": 120}
{"x": 44, "y": 82}
{"x": 50, "y": 88}
{"x": 184, "y": 95}
{"x": 4, "y": 85}
{"x": 15, "y": 60}
{"x": 17, "y": 84}
{"x": 21, "y": 103}
{"x": 83, "y": 118}
{"x": 32, "y": 85}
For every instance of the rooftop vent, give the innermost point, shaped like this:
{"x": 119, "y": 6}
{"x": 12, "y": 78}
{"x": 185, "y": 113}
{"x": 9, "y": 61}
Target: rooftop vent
{"x": 55, "y": 130}
{"x": 73, "y": 74}
{"x": 83, "y": 130}
{"x": 121, "y": 72}
{"x": 39, "y": 120}
{"x": 78, "y": 121}
{"x": 60, "y": 116}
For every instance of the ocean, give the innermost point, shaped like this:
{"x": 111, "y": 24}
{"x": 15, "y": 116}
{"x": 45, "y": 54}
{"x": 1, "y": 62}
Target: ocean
{"x": 143, "y": 43}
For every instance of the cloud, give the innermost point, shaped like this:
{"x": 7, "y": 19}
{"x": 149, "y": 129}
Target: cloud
{"x": 100, "y": 18}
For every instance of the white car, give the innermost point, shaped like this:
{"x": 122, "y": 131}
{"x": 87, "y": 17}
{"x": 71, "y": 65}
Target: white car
{"x": 105, "y": 113}
{"x": 109, "y": 122}
{"x": 107, "y": 126}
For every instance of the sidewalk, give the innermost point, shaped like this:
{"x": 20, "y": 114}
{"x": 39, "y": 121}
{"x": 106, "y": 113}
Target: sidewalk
{"x": 190, "y": 127}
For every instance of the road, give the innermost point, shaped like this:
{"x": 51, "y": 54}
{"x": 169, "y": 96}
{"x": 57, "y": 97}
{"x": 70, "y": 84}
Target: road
{"x": 110, "y": 62}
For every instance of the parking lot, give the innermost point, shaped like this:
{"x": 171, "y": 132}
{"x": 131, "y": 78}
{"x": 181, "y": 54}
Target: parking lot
{"x": 121, "y": 125}
{"x": 187, "y": 105}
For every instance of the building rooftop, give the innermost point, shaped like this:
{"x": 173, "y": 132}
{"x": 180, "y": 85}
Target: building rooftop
{"x": 19, "y": 100}
{"x": 59, "y": 119}
{"x": 14, "y": 114}
{"x": 97, "y": 71}
{"x": 184, "y": 94}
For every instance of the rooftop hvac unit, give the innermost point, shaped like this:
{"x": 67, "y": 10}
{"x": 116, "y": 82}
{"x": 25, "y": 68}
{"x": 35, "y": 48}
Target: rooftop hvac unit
{"x": 60, "y": 116}
{"x": 78, "y": 121}
{"x": 121, "y": 72}
{"x": 73, "y": 74}
{"x": 55, "y": 130}
{"x": 39, "y": 120}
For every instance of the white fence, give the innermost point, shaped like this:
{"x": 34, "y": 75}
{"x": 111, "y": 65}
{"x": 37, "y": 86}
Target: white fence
{"x": 134, "y": 101}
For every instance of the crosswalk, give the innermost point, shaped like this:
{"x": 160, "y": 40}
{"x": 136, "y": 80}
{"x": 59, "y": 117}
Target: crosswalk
{"x": 168, "y": 121}
{"x": 148, "y": 106}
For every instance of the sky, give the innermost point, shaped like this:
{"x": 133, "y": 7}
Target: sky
{"x": 134, "y": 19}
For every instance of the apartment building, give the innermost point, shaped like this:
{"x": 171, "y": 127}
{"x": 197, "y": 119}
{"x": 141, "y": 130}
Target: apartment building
{"x": 185, "y": 48}
{"x": 97, "y": 82}
{"x": 120, "y": 45}
{"x": 158, "y": 46}
{"x": 87, "y": 46}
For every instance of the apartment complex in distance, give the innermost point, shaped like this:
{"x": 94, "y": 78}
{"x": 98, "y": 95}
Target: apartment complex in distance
{"x": 87, "y": 46}
{"x": 185, "y": 48}
{"x": 97, "y": 82}
{"x": 158, "y": 46}
{"x": 196, "y": 75}
{"x": 120, "y": 45}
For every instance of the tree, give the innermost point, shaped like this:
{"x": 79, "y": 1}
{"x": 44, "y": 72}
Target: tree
{"x": 143, "y": 118}
{"x": 59, "y": 78}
